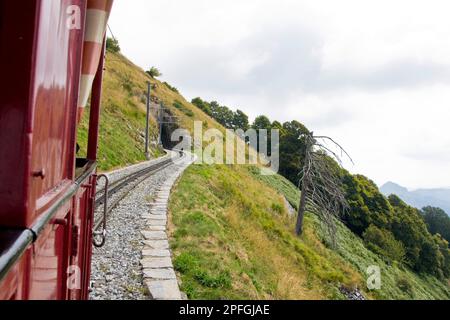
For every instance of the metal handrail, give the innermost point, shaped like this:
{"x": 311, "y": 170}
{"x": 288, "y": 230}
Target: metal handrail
{"x": 29, "y": 236}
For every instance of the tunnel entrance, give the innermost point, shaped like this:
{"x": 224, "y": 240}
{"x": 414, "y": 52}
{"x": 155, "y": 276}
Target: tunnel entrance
{"x": 168, "y": 124}
{"x": 166, "y": 133}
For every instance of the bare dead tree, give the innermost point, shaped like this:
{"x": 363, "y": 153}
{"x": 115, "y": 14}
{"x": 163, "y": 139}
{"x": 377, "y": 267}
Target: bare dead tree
{"x": 320, "y": 184}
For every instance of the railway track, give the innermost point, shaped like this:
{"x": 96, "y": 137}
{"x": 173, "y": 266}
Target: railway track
{"x": 120, "y": 188}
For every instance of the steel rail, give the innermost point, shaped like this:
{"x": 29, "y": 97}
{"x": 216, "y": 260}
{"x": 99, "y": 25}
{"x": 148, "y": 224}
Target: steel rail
{"x": 120, "y": 188}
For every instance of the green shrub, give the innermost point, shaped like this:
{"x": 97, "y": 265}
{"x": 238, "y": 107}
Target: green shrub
{"x": 202, "y": 105}
{"x": 170, "y": 87}
{"x": 405, "y": 285}
{"x": 154, "y": 72}
{"x": 384, "y": 243}
{"x": 177, "y": 104}
{"x": 182, "y": 108}
{"x": 112, "y": 45}
{"x": 185, "y": 262}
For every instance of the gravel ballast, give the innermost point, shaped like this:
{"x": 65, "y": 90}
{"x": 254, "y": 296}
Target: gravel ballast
{"x": 116, "y": 269}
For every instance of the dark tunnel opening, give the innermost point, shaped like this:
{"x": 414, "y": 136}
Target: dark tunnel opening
{"x": 166, "y": 134}
{"x": 169, "y": 123}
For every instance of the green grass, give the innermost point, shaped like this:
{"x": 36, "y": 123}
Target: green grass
{"x": 280, "y": 184}
{"x": 233, "y": 239}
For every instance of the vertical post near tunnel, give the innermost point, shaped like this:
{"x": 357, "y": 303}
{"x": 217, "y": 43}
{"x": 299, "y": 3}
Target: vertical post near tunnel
{"x": 160, "y": 122}
{"x": 147, "y": 154}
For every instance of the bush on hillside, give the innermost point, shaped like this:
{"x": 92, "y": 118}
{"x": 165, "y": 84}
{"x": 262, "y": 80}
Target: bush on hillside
{"x": 445, "y": 251}
{"x": 405, "y": 285}
{"x": 170, "y": 87}
{"x": 383, "y": 242}
{"x": 438, "y": 222}
{"x": 177, "y": 104}
{"x": 154, "y": 72}
{"x": 112, "y": 45}
{"x": 367, "y": 205}
{"x": 202, "y": 105}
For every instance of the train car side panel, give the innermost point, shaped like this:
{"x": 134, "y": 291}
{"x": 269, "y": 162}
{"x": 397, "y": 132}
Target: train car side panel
{"x": 56, "y": 87}
{"x": 41, "y": 65}
{"x": 81, "y": 241}
{"x": 15, "y": 286}
{"x": 47, "y": 204}
{"x": 17, "y": 44}
{"x": 49, "y": 263}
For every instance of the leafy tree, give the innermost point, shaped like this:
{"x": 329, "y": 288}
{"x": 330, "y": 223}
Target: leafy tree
{"x": 438, "y": 222}
{"x": 422, "y": 253}
{"x": 240, "y": 121}
{"x": 292, "y": 147}
{"x": 154, "y": 72}
{"x": 369, "y": 210}
{"x": 445, "y": 251}
{"x": 219, "y": 114}
{"x": 262, "y": 122}
{"x": 202, "y": 105}
{"x": 214, "y": 105}
{"x": 222, "y": 114}
{"x": 431, "y": 260}
{"x": 383, "y": 242}
{"x": 366, "y": 204}
{"x": 277, "y": 125}
{"x": 112, "y": 45}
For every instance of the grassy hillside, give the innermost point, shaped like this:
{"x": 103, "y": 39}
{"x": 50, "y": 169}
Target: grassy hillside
{"x": 233, "y": 238}
{"x": 232, "y": 235}
{"x": 397, "y": 282}
{"x": 122, "y": 127}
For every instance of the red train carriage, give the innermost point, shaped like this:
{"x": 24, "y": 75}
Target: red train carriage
{"x": 50, "y": 57}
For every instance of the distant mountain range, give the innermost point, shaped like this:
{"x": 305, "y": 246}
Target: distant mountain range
{"x": 420, "y": 198}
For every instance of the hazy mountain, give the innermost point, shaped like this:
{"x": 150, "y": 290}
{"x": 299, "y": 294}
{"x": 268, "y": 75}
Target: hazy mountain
{"x": 420, "y": 198}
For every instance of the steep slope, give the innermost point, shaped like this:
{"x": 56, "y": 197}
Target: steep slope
{"x": 233, "y": 238}
{"x": 232, "y": 234}
{"x": 397, "y": 282}
{"x": 122, "y": 126}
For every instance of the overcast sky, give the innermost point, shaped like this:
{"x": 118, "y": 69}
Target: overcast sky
{"x": 375, "y": 75}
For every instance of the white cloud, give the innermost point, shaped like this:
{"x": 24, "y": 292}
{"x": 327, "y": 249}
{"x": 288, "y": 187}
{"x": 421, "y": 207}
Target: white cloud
{"x": 373, "y": 74}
